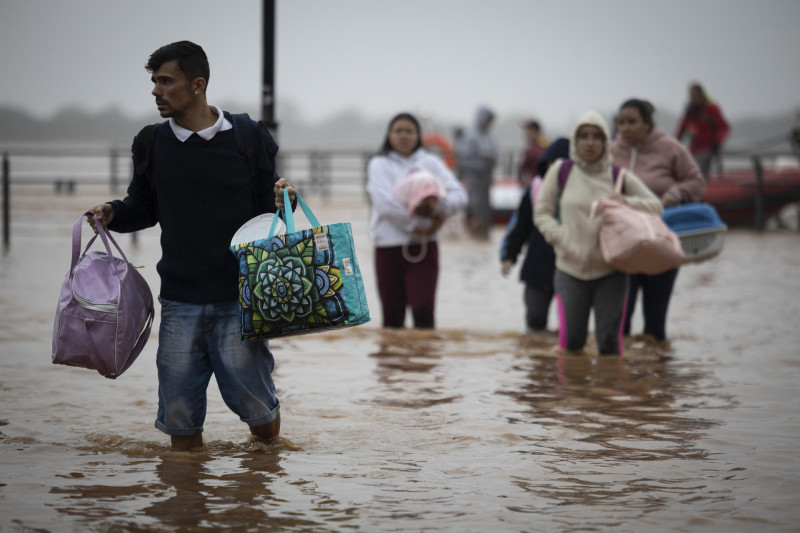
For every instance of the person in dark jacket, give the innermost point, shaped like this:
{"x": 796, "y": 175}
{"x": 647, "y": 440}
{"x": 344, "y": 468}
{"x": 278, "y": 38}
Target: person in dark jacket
{"x": 198, "y": 188}
{"x": 538, "y": 268}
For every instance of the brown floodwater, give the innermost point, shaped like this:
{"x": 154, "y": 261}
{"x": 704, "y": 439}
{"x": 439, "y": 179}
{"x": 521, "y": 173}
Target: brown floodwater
{"x": 472, "y": 427}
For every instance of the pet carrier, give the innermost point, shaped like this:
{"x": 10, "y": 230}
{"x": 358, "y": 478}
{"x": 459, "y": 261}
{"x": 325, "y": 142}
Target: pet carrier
{"x": 700, "y": 229}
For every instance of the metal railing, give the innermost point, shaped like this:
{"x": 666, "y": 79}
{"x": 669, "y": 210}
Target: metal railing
{"x": 6, "y": 200}
{"x": 319, "y": 173}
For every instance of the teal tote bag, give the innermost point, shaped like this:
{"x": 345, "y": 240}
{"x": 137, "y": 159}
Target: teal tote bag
{"x": 300, "y": 282}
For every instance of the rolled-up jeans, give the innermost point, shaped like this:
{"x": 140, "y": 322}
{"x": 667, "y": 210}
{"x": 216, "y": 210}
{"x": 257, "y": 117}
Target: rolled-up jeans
{"x": 196, "y": 341}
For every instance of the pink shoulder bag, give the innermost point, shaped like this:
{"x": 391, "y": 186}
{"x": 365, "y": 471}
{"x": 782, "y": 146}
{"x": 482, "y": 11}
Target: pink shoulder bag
{"x": 635, "y": 241}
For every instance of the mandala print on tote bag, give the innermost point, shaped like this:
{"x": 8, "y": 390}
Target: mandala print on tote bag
{"x": 286, "y": 285}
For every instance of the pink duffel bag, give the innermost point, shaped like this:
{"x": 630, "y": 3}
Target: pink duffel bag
{"x": 634, "y": 241}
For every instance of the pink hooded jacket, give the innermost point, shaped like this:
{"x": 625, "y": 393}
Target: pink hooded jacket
{"x": 663, "y": 164}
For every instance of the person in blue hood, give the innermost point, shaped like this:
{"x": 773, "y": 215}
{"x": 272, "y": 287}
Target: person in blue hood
{"x": 477, "y": 155}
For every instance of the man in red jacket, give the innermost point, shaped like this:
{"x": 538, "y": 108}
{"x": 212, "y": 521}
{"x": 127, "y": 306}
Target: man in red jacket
{"x": 533, "y": 152}
{"x": 703, "y": 120}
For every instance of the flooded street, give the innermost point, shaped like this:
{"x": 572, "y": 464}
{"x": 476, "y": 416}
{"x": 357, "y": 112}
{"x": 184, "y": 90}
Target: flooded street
{"x": 472, "y": 427}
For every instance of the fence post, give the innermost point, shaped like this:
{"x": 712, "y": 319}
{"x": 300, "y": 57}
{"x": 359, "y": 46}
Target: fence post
{"x": 508, "y": 164}
{"x": 366, "y": 156}
{"x": 114, "y": 170}
{"x": 320, "y": 167}
{"x": 6, "y": 201}
{"x": 759, "y": 198}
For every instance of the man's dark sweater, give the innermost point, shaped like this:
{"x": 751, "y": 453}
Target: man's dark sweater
{"x": 201, "y": 193}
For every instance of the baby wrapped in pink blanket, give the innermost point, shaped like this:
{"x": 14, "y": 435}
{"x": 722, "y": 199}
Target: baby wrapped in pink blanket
{"x": 421, "y": 191}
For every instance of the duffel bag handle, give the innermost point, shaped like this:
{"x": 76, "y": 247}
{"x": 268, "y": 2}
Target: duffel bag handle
{"x": 105, "y": 236}
{"x": 288, "y": 216}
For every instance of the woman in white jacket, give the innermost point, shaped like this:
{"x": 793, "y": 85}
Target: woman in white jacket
{"x": 583, "y": 281}
{"x": 403, "y": 283}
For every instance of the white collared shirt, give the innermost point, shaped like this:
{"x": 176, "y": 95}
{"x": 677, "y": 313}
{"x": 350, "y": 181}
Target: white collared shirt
{"x": 222, "y": 124}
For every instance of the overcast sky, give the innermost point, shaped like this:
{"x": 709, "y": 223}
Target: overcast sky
{"x": 551, "y": 59}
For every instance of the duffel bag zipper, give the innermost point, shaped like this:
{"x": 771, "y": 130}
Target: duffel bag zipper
{"x": 93, "y": 306}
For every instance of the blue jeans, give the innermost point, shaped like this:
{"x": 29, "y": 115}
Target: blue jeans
{"x": 197, "y": 340}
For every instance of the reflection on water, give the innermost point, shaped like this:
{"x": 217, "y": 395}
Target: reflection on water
{"x": 403, "y": 358}
{"x": 601, "y": 419}
{"x": 221, "y": 486}
{"x": 215, "y": 491}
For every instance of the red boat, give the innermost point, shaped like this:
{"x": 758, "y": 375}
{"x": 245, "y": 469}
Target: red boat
{"x": 733, "y": 193}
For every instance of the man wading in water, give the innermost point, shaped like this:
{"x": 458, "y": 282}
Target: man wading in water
{"x": 197, "y": 185}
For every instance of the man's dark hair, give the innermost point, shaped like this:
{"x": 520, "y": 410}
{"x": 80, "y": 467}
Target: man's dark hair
{"x": 192, "y": 60}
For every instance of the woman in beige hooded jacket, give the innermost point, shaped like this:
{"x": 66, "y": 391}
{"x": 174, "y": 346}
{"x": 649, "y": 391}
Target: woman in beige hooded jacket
{"x": 583, "y": 281}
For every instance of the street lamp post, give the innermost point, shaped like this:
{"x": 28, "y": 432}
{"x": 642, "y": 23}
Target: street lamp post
{"x": 268, "y": 88}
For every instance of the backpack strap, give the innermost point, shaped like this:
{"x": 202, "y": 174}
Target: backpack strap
{"x": 142, "y": 146}
{"x": 563, "y": 174}
{"x": 246, "y": 136}
{"x": 536, "y": 186}
{"x": 615, "y": 173}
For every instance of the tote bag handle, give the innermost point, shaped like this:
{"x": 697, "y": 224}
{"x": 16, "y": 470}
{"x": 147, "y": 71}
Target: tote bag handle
{"x": 288, "y": 216}
{"x": 617, "y": 190}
